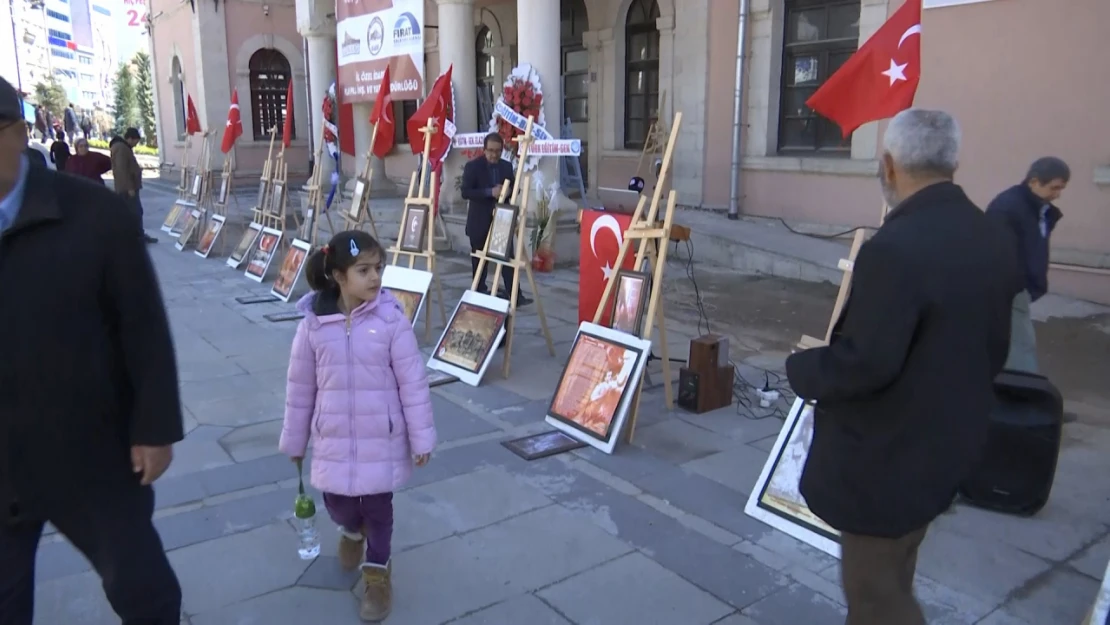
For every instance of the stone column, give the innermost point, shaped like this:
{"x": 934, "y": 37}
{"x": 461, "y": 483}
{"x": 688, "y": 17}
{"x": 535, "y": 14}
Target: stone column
{"x": 321, "y": 74}
{"x": 538, "y": 44}
{"x": 592, "y": 41}
{"x": 213, "y": 91}
{"x": 456, "y": 48}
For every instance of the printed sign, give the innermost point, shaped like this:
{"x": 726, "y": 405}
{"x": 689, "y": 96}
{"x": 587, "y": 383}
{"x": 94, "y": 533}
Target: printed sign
{"x": 373, "y": 34}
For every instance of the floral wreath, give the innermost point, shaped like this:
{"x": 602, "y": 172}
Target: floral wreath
{"x": 523, "y": 94}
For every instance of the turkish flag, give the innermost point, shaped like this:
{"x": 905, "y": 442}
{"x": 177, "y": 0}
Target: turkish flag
{"x": 234, "y": 128}
{"x": 602, "y": 234}
{"x": 346, "y": 119}
{"x": 880, "y": 79}
{"x": 287, "y": 127}
{"x": 192, "y": 121}
{"x": 382, "y": 118}
{"x": 435, "y": 106}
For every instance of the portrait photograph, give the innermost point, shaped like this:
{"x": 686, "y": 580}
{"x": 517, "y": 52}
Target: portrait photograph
{"x": 246, "y": 242}
{"x": 542, "y": 445}
{"x": 277, "y": 197}
{"x": 356, "y": 199}
{"x": 291, "y": 267}
{"x": 630, "y": 301}
{"x": 501, "y": 232}
{"x": 469, "y": 337}
{"x": 198, "y": 182}
{"x": 410, "y": 300}
{"x": 416, "y": 219}
{"x": 187, "y": 230}
{"x": 263, "y": 254}
{"x": 225, "y": 183}
{"x": 208, "y": 237}
{"x": 260, "y": 203}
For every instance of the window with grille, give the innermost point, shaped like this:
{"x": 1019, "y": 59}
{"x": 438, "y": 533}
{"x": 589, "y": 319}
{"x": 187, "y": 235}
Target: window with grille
{"x": 178, "y": 98}
{"x": 487, "y": 74}
{"x": 641, "y": 71}
{"x": 269, "y": 77}
{"x": 402, "y": 111}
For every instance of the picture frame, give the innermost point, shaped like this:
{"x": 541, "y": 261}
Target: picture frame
{"x": 277, "y": 197}
{"x": 776, "y": 499}
{"x": 630, "y": 301}
{"x": 182, "y": 218}
{"x": 262, "y": 254}
{"x": 501, "y": 232}
{"x": 598, "y": 385}
{"x": 292, "y": 266}
{"x": 263, "y": 187}
{"x": 198, "y": 186}
{"x": 415, "y": 233}
{"x": 187, "y": 230}
{"x": 439, "y": 378}
{"x": 209, "y": 235}
{"x": 246, "y": 242}
{"x": 225, "y": 187}
{"x": 183, "y": 183}
{"x": 409, "y": 286}
{"x": 463, "y": 350}
{"x": 171, "y": 217}
{"x": 542, "y": 445}
{"x": 355, "y": 209}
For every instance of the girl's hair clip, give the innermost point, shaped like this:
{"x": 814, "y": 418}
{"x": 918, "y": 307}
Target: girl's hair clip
{"x": 354, "y": 249}
{"x": 326, "y": 250}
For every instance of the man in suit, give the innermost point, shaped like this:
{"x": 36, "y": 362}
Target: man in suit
{"x": 904, "y": 389}
{"x": 482, "y": 182}
{"x": 89, "y": 404}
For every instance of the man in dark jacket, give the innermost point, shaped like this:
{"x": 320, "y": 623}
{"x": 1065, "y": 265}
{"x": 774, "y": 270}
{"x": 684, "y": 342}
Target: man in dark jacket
{"x": 1027, "y": 211}
{"x": 904, "y": 388}
{"x": 89, "y": 405}
{"x": 483, "y": 179}
{"x": 59, "y": 151}
{"x": 127, "y": 176}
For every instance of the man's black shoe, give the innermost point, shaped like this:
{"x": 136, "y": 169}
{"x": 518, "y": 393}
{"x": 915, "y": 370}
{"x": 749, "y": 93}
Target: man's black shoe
{"x": 149, "y": 239}
{"x": 484, "y": 290}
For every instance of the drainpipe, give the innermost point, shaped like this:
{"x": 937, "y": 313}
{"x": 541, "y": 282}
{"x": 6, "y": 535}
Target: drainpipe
{"x": 738, "y": 111}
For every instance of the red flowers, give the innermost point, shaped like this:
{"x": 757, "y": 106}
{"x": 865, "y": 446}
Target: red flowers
{"x": 329, "y": 136}
{"x": 521, "y": 96}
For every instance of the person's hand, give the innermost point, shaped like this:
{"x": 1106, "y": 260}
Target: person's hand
{"x": 497, "y": 191}
{"x": 151, "y": 462}
{"x": 421, "y": 459}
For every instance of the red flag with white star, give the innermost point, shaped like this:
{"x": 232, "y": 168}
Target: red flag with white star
{"x": 438, "y": 106}
{"x": 880, "y": 79}
{"x": 234, "y": 128}
{"x": 192, "y": 120}
{"x": 382, "y": 118}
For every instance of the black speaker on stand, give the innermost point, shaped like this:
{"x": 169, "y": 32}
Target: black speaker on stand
{"x": 1023, "y": 445}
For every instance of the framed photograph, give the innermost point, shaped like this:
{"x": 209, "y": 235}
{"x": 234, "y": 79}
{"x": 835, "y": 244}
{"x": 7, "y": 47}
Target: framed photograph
{"x": 439, "y": 378}
{"x": 470, "y": 339}
{"x": 246, "y": 242}
{"x": 501, "y": 232}
{"x": 1100, "y": 611}
{"x": 630, "y": 301}
{"x": 198, "y": 184}
{"x": 542, "y": 445}
{"x": 263, "y": 186}
{"x": 225, "y": 186}
{"x": 416, "y": 229}
{"x": 409, "y": 286}
{"x": 356, "y": 199}
{"x": 178, "y": 224}
{"x": 187, "y": 230}
{"x": 183, "y": 183}
{"x": 598, "y": 385}
{"x": 208, "y": 237}
{"x": 776, "y": 499}
{"x": 174, "y": 213}
{"x": 291, "y": 268}
{"x": 262, "y": 254}
{"x": 277, "y": 198}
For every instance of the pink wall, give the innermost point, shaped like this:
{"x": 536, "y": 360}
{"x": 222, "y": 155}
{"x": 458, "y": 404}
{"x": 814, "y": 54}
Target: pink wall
{"x": 719, "y": 104}
{"x": 173, "y": 31}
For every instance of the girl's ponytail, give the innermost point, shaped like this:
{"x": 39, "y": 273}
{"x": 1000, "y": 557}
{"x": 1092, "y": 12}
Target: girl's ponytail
{"x": 316, "y": 272}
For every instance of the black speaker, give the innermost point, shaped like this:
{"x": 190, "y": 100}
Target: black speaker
{"x": 1023, "y": 445}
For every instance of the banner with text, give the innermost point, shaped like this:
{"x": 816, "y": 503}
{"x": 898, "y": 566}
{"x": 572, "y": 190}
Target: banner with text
{"x": 544, "y": 145}
{"x": 372, "y": 34}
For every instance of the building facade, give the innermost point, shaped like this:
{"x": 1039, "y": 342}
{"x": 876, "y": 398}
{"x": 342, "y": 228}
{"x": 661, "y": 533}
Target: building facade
{"x": 605, "y": 65}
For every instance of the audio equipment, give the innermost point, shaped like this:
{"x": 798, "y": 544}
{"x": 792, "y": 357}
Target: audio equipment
{"x": 1019, "y": 463}
{"x": 705, "y": 383}
{"x": 707, "y": 353}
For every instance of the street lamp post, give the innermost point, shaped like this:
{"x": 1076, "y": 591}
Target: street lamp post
{"x": 15, "y": 49}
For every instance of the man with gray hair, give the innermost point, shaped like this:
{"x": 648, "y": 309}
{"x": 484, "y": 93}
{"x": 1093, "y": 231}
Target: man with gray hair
{"x": 1027, "y": 211}
{"x": 904, "y": 387}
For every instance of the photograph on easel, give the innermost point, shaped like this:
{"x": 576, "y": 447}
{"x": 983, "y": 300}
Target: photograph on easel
{"x": 356, "y": 199}
{"x": 208, "y": 238}
{"x": 777, "y": 500}
{"x": 221, "y": 199}
{"x": 173, "y": 216}
{"x": 263, "y": 254}
{"x": 260, "y": 202}
{"x": 187, "y": 230}
{"x": 630, "y": 301}
{"x": 501, "y": 232}
{"x": 198, "y": 183}
{"x": 276, "y": 197}
{"x": 595, "y": 392}
{"x": 246, "y": 242}
{"x": 183, "y": 181}
{"x": 409, "y": 286}
{"x": 470, "y": 340}
{"x": 416, "y": 229}
{"x": 182, "y": 219}
{"x": 291, "y": 268}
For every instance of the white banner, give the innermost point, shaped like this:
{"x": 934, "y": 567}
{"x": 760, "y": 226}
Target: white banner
{"x": 372, "y": 34}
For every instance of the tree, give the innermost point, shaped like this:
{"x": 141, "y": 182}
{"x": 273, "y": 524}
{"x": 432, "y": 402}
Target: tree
{"x": 144, "y": 88}
{"x": 126, "y": 105}
{"x": 51, "y": 96}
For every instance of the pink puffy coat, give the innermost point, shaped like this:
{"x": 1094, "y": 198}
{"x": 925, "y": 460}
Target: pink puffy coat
{"x": 360, "y": 391}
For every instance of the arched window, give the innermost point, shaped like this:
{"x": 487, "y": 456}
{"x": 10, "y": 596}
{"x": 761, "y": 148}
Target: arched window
{"x": 576, "y": 73}
{"x": 178, "y": 88}
{"x": 269, "y": 75}
{"x": 486, "y": 58}
{"x": 641, "y": 74}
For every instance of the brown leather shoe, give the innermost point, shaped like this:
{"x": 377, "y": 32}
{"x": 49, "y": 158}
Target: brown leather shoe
{"x": 377, "y": 594}
{"x": 350, "y": 551}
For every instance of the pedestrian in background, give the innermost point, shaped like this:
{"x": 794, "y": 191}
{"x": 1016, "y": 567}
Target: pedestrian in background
{"x": 127, "y": 176}
{"x": 88, "y": 164}
{"x": 59, "y": 151}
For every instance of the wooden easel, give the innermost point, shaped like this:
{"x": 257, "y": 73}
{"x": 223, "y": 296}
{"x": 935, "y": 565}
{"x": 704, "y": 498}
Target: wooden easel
{"x": 360, "y": 202}
{"x": 185, "y": 178}
{"x": 416, "y": 198}
{"x": 266, "y": 181}
{"x": 317, "y": 198}
{"x": 655, "y": 142}
{"x": 519, "y": 261}
{"x": 219, "y": 205}
{"x": 651, "y": 236}
{"x": 847, "y": 265}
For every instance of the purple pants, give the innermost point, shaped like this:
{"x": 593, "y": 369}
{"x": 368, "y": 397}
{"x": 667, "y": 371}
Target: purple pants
{"x": 369, "y": 515}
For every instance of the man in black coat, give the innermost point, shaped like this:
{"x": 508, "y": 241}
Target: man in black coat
{"x": 89, "y": 405}
{"x": 904, "y": 388}
{"x": 483, "y": 179}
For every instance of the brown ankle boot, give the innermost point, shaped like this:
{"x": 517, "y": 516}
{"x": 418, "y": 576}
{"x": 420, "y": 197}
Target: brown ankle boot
{"x": 350, "y": 551}
{"x": 377, "y": 595}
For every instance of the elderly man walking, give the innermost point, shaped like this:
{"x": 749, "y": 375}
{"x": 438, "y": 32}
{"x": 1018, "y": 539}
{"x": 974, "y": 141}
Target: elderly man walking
{"x": 904, "y": 388}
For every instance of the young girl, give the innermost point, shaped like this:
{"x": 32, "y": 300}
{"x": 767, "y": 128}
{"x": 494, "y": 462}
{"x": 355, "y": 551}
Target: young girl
{"x": 358, "y": 388}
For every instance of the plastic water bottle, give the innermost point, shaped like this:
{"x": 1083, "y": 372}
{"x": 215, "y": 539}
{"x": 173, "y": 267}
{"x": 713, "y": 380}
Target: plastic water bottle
{"x": 304, "y": 513}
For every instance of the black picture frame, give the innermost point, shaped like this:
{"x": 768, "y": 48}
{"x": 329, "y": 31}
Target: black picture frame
{"x": 277, "y": 196}
{"x": 225, "y": 183}
{"x": 261, "y": 202}
{"x": 505, "y": 254}
{"x": 554, "y": 442}
{"x": 406, "y": 243}
{"x": 439, "y": 378}
{"x": 641, "y": 304}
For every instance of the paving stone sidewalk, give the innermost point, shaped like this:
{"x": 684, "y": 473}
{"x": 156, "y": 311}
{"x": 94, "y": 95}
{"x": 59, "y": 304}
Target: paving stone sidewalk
{"x": 654, "y": 534}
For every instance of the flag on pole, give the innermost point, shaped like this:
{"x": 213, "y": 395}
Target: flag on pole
{"x": 880, "y": 79}
{"x": 436, "y": 106}
{"x": 287, "y": 127}
{"x": 331, "y": 139}
{"x": 234, "y": 128}
{"x": 382, "y": 118}
{"x": 192, "y": 121}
